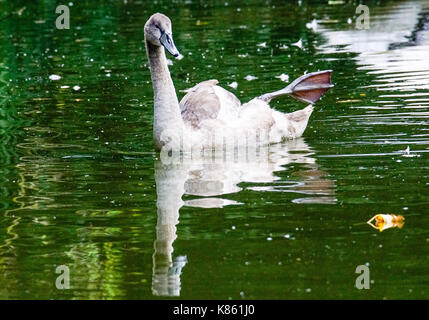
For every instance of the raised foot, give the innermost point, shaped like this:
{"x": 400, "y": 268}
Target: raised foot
{"x": 307, "y": 88}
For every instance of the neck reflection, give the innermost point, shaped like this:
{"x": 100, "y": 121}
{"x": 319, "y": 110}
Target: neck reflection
{"x": 209, "y": 179}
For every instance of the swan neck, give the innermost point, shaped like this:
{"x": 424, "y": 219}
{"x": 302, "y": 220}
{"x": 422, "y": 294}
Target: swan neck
{"x": 167, "y": 114}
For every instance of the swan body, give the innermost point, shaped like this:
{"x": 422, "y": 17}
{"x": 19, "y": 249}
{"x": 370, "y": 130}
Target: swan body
{"x": 209, "y": 116}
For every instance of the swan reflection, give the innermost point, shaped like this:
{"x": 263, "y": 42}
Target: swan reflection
{"x": 209, "y": 179}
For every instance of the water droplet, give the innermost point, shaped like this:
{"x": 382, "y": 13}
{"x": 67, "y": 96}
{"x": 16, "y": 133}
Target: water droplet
{"x": 298, "y": 44}
{"x": 250, "y": 78}
{"x": 312, "y": 25}
{"x": 283, "y": 77}
{"x": 54, "y": 77}
{"x": 233, "y": 85}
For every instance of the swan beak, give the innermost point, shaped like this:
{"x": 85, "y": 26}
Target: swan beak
{"x": 168, "y": 43}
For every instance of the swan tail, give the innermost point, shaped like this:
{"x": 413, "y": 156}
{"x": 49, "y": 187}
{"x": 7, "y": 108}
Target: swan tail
{"x": 301, "y": 115}
{"x": 307, "y": 88}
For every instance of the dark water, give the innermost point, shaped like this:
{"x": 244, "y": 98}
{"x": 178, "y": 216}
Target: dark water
{"x": 81, "y": 184}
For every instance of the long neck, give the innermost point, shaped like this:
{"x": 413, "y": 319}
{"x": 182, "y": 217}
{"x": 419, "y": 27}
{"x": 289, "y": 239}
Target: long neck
{"x": 167, "y": 114}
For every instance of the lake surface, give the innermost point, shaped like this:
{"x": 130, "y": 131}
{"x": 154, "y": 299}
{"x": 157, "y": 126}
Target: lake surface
{"x": 82, "y": 186}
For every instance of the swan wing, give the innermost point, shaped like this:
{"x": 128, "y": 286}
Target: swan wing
{"x": 207, "y": 101}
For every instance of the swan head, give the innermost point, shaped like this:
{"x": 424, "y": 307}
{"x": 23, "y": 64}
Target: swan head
{"x": 157, "y": 31}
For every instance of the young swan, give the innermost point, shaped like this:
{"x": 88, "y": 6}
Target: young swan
{"x": 209, "y": 116}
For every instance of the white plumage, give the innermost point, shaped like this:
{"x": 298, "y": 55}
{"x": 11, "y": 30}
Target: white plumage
{"x": 209, "y": 116}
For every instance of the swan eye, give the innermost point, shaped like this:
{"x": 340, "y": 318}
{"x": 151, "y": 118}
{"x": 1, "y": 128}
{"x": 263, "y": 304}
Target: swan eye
{"x": 159, "y": 28}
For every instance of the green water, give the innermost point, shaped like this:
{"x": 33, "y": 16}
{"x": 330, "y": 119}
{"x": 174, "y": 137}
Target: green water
{"x": 81, "y": 184}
